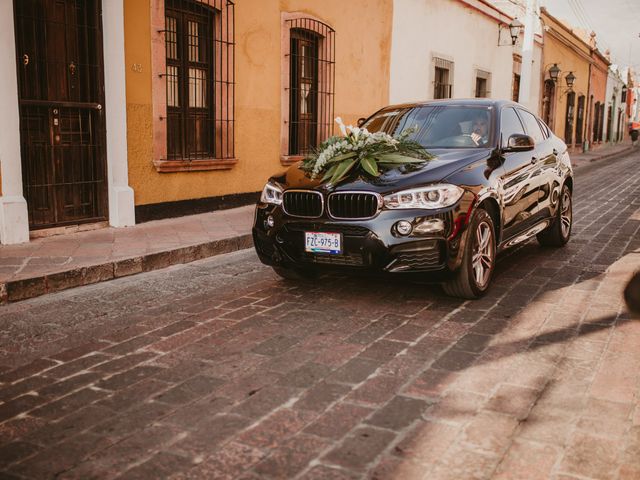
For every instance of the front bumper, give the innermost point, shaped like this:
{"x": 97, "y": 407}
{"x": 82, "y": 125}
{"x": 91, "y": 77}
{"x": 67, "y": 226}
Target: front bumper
{"x": 371, "y": 244}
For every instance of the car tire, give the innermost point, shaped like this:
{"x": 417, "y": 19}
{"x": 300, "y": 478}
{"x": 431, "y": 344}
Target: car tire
{"x": 292, "y": 273}
{"x": 473, "y": 278}
{"x": 559, "y": 232}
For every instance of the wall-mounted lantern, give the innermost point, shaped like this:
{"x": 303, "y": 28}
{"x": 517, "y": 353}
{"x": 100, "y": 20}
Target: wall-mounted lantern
{"x": 554, "y": 71}
{"x": 515, "y": 27}
{"x": 570, "y": 79}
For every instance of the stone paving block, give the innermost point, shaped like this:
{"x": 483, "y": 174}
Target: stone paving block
{"x": 70, "y": 368}
{"x": 513, "y": 400}
{"x": 590, "y": 456}
{"x": 19, "y": 405}
{"x": 210, "y": 433}
{"x": 129, "y": 377}
{"x": 276, "y": 428}
{"x": 338, "y": 420}
{"x": 129, "y": 266}
{"x": 190, "y": 390}
{"x": 291, "y": 458}
{"x": 529, "y": 460}
{"x": 230, "y": 461}
{"x": 426, "y": 442}
{"x": 73, "y": 424}
{"x": 161, "y": 465}
{"x": 354, "y": 371}
{"x": 490, "y": 431}
{"x": 376, "y": 391}
{"x": 360, "y": 448}
{"x": 27, "y": 370}
{"x": 54, "y": 461}
{"x": 15, "y": 452}
{"x": 455, "y": 360}
{"x": 123, "y": 363}
{"x": 19, "y": 428}
{"x": 383, "y": 350}
{"x": 323, "y": 472}
{"x": 266, "y": 400}
{"x": 399, "y": 413}
{"x": 306, "y": 375}
{"x": 321, "y": 396}
{"x": 27, "y": 385}
{"x": 80, "y": 351}
{"x": 68, "y": 404}
{"x": 59, "y": 389}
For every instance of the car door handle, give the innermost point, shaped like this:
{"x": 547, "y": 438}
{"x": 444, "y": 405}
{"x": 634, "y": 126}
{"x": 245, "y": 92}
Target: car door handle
{"x": 555, "y": 152}
{"x": 534, "y": 160}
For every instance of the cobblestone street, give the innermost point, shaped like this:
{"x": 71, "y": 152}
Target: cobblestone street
{"x": 218, "y": 369}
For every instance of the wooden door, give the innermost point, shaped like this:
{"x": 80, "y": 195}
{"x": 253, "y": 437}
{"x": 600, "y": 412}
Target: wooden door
{"x": 61, "y": 93}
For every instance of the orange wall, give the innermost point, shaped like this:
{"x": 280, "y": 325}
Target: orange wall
{"x": 363, "y": 38}
{"x": 572, "y": 55}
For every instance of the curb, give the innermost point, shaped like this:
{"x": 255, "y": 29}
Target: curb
{"x": 16, "y": 290}
{"x": 605, "y": 157}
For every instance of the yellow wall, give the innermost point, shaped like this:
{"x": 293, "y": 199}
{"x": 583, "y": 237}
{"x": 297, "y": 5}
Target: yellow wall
{"x": 572, "y": 55}
{"x": 363, "y": 40}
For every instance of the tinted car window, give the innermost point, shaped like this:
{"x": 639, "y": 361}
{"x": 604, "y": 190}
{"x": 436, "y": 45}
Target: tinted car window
{"x": 509, "y": 124}
{"x": 545, "y": 129}
{"x": 532, "y": 126}
{"x": 441, "y": 126}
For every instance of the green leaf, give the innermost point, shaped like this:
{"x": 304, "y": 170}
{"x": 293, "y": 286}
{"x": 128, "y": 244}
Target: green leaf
{"x": 340, "y": 158}
{"x": 342, "y": 171}
{"x": 330, "y": 172}
{"x": 368, "y": 164}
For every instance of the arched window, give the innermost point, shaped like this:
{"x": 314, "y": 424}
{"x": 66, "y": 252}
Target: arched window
{"x": 309, "y": 67}
{"x": 548, "y": 100}
{"x": 568, "y": 121}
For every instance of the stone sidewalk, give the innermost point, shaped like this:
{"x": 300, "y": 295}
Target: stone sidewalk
{"x": 56, "y": 263}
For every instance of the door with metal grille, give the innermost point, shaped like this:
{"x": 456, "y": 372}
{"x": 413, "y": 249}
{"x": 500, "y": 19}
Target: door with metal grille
{"x": 61, "y": 93}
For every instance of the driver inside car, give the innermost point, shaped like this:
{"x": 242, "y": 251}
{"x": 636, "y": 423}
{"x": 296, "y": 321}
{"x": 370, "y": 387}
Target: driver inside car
{"x": 480, "y": 129}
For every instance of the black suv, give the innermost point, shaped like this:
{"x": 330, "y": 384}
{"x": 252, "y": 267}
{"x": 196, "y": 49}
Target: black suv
{"x": 498, "y": 177}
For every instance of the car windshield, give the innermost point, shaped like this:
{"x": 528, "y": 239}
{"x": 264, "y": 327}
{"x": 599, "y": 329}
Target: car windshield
{"x": 437, "y": 126}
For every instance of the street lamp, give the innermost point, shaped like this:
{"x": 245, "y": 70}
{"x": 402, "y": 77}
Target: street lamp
{"x": 554, "y": 71}
{"x": 515, "y": 27}
{"x": 570, "y": 79}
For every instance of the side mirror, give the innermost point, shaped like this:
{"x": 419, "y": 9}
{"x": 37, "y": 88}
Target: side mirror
{"x": 361, "y": 121}
{"x": 519, "y": 142}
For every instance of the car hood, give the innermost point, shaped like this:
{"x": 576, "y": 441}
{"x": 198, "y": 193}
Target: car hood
{"x": 443, "y": 164}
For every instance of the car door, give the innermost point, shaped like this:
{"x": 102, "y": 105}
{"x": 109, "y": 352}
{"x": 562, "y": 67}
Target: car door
{"x": 546, "y": 161}
{"x": 519, "y": 182}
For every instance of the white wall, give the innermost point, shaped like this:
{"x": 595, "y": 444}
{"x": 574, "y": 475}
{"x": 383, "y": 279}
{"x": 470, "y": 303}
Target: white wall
{"x": 449, "y": 29}
{"x": 614, "y": 88}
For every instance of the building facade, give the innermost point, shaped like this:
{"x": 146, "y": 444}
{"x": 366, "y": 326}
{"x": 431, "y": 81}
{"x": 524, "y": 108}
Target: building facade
{"x": 597, "y": 96}
{"x": 565, "y": 81}
{"x": 119, "y": 111}
{"x": 615, "y": 121}
{"x": 454, "y": 49}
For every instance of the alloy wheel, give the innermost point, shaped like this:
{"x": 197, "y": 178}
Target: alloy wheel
{"x": 483, "y": 254}
{"x": 566, "y": 213}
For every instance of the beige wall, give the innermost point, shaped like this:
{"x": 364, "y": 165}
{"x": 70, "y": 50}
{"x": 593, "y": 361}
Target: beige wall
{"x": 363, "y": 37}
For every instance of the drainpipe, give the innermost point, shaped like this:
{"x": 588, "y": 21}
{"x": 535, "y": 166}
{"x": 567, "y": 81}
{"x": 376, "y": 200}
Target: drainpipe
{"x": 524, "y": 95}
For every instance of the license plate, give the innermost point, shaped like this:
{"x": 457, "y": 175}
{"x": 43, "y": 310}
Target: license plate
{"x": 323, "y": 242}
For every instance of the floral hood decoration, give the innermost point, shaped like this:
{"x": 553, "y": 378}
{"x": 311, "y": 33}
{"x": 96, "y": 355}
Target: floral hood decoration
{"x": 358, "y": 148}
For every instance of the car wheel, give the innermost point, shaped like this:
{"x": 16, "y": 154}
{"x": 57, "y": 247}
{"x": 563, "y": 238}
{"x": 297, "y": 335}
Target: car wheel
{"x": 559, "y": 232}
{"x": 474, "y": 276}
{"x": 292, "y": 273}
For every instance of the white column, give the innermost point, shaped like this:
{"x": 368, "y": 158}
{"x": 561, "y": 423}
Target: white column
{"x": 524, "y": 96}
{"x": 14, "y": 220}
{"x": 121, "y": 202}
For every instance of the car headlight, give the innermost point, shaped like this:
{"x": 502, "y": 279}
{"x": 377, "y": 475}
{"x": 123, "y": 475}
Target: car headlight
{"x": 271, "y": 193}
{"x": 431, "y": 197}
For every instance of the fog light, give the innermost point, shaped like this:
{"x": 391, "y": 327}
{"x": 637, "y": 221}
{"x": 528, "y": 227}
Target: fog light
{"x": 433, "y": 225}
{"x": 403, "y": 228}
{"x": 270, "y": 221}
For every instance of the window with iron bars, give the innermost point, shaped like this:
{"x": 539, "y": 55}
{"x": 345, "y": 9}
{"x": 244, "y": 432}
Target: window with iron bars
{"x": 311, "y": 84}
{"x": 199, "y": 79}
{"x": 442, "y": 85}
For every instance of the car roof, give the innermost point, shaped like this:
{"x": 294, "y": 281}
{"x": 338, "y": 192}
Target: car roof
{"x": 473, "y": 102}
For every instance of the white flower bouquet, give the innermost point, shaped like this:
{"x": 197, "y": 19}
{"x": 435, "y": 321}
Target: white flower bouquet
{"x": 368, "y": 152}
